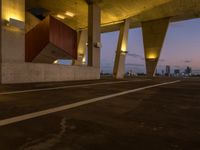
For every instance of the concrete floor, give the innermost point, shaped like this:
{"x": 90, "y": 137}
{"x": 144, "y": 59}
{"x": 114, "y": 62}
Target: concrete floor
{"x": 159, "y": 118}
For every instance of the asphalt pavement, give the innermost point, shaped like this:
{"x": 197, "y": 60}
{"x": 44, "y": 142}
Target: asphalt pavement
{"x": 147, "y": 117}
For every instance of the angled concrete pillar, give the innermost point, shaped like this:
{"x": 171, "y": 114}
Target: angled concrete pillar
{"x": 82, "y": 46}
{"x": 119, "y": 65}
{"x": 153, "y": 37}
{"x": 94, "y": 37}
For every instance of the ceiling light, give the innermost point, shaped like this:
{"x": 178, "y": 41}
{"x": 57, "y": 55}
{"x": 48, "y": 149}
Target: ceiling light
{"x": 60, "y": 16}
{"x": 70, "y": 14}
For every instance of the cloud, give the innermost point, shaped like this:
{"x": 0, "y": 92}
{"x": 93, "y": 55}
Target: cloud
{"x": 187, "y": 61}
{"x": 135, "y": 65}
{"x": 161, "y": 60}
{"x": 177, "y": 66}
{"x": 161, "y": 66}
{"x": 134, "y": 55}
{"x": 177, "y": 25}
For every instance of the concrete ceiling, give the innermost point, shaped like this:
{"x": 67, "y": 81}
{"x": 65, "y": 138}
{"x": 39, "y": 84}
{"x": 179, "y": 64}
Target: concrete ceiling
{"x": 115, "y": 11}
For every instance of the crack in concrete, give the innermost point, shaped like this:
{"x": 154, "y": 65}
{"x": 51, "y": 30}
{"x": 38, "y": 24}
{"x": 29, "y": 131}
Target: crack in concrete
{"x": 47, "y": 142}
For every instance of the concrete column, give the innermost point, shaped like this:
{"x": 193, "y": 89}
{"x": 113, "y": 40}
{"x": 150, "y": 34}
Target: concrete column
{"x": 119, "y": 65}
{"x": 82, "y": 46}
{"x": 13, "y": 31}
{"x": 94, "y": 34}
{"x": 153, "y": 37}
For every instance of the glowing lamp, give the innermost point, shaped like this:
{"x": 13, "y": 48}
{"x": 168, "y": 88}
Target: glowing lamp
{"x": 60, "y": 16}
{"x": 124, "y": 52}
{"x": 16, "y": 23}
{"x": 82, "y": 58}
{"x": 83, "y": 61}
{"x": 55, "y": 62}
{"x": 151, "y": 59}
{"x": 70, "y": 14}
{"x": 152, "y": 56}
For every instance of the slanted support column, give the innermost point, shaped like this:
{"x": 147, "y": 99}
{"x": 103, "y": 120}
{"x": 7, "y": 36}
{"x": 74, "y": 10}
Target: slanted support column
{"x": 82, "y": 46}
{"x": 94, "y": 20}
{"x": 154, "y": 33}
{"x": 119, "y": 66}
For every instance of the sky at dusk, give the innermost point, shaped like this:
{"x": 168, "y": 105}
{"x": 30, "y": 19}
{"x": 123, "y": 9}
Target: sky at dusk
{"x": 181, "y": 48}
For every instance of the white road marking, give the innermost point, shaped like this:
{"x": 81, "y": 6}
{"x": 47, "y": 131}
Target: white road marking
{"x": 66, "y": 87}
{"x": 74, "y": 105}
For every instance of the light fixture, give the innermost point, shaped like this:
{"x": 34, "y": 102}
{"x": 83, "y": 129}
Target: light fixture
{"x": 60, "y": 16}
{"x": 124, "y": 52}
{"x": 151, "y": 59}
{"x": 83, "y": 60}
{"x": 55, "y": 62}
{"x": 152, "y": 55}
{"x": 16, "y": 23}
{"x": 70, "y": 14}
{"x": 98, "y": 45}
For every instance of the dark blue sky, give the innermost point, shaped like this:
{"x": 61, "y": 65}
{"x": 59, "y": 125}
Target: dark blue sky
{"x": 181, "y": 48}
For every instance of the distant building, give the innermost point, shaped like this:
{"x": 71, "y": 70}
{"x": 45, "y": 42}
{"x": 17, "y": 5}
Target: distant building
{"x": 167, "y": 71}
{"x": 188, "y": 71}
{"x": 163, "y": 72}
{"x": 176, "y": 72}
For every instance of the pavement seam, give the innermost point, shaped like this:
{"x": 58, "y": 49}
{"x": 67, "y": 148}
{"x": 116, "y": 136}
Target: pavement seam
{"x": 74, "y": 105}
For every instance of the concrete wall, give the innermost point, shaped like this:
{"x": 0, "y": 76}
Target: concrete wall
{"x": 12, "y": 45}
{"x": 29, "y": 72}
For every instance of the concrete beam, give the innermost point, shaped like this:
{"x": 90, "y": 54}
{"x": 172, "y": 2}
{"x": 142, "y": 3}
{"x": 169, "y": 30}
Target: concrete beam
{"x": 119, "y": 65}
{"x": 82, "y": 47}
{"x": 153, "y": 37}
{"x": 94, "y": 37}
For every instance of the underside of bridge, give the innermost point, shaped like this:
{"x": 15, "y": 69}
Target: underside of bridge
{"x": 37, "y": 33}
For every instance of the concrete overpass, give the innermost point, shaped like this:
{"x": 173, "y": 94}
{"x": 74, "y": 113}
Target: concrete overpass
{"x": 35, "y": 33}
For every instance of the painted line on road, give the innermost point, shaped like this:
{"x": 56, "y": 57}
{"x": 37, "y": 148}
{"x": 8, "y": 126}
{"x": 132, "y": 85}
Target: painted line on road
{"x": 66, "y": 87}
{"x": 74, "y": 105}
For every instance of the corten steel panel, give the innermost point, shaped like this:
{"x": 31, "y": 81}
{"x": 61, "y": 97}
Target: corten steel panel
{"x": 53, "y": 31}
{"x": 63, "y": 37}
{"x": 36, "y": 40}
